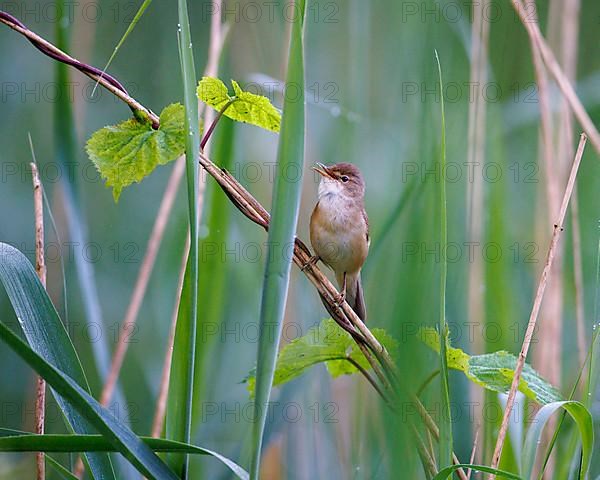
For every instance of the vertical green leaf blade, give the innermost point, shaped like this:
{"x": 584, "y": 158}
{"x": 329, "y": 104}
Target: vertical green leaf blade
{"x": 48, "y": 337}
{"x": 284, "y": 215}
{"x": 18, "y": 441}
{"x": 445, "y": 447}
{"x": 175, "y": 418}
{"x": 179, "y": 413}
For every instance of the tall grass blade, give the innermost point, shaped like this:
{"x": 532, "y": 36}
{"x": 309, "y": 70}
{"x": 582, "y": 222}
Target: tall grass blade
{"x": 572, "y": 443}
{"x": 61, "y": 471}
{"x": 119, "y": 435}
{"x": 25, "y": 442}
{"x": 181, "y": 389}
{"x": 445, "y": 446}
{"x": 533, "y": 441}
{"x": 175, "y": 424}
{"x": 284, "y": 215}
{"x": 48, "y": 337}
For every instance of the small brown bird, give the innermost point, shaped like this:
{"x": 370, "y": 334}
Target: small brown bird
{"x": 339, "y": 230}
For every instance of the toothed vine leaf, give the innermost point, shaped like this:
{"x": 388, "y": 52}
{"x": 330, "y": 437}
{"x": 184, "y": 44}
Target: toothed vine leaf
{"x": 494, "y": 371}
{"x": 244, "y": 106}
{"x": 128, "y": 152}
{"x": 326, "y": 343}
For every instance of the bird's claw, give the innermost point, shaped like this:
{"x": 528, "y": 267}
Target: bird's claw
{"x": 339, "y": 299}
{"x": 311, "y": 262}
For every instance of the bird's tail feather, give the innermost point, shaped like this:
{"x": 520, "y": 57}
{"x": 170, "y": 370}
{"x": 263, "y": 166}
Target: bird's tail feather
{"x": 354, "y": 295}
{"x": 359, "y": 301}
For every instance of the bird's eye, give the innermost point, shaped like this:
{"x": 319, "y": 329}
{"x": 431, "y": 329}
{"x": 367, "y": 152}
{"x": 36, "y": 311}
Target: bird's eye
{"x": 344, "y": 178}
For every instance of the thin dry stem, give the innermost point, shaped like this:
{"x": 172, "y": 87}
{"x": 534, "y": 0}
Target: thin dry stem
{"x": 38, "y": 206}
{"x": 40, "y": 268}
{"x": 558, "y": 227}
{"x": 475, "y": 199}
{"x": 426, "y": 457}
{"x": 563, "y": 82}
{"x": 473, "y": 453}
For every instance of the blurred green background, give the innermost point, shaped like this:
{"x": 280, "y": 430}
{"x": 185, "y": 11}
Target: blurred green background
{"x": 372, "y": 99}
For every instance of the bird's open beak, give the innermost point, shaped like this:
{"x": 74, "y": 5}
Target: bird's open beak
{"x": 322, "y": 169}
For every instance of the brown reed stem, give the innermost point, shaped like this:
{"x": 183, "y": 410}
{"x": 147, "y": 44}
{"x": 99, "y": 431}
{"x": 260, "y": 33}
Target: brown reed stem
{"x": 40, "y": 268}
{"x": 558, "y": 228}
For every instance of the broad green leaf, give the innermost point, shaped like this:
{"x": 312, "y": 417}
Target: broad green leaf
{"x": 121, "y": 437}
{"x": 584, "y": 422}
{"x": 326, "y": 343}
{"x": 128, "y": 152}
{"x": 494, "y": 371}
{"x": 48, "y": 337}
{"x": 243, "y": 106}
{"x": 12, "y": 441}
{"x": 282, "y": 230}
{"x": 445, "y": 472}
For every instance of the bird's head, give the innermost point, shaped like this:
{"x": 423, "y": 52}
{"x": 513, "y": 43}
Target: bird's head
{"x": 340, "y": 178}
